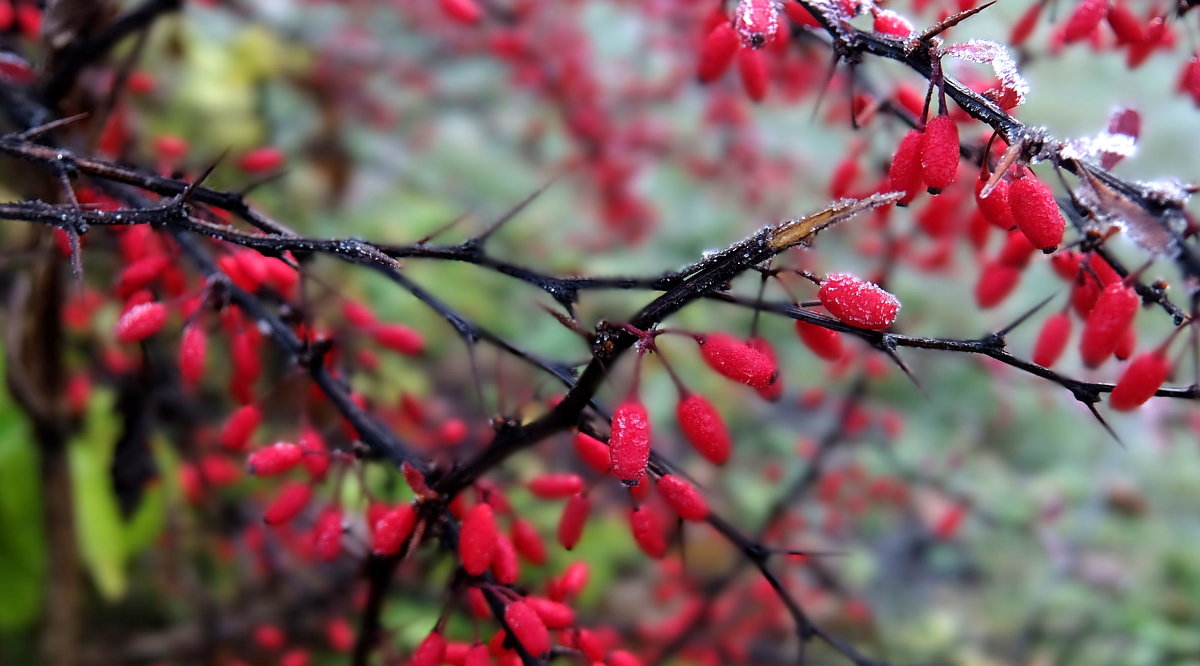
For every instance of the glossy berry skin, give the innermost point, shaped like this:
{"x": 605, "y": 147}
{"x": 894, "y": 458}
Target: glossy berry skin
{"x": 1141, "y": 379}
{"x": 1112, "y": 314}
{"x": 477, "y": 540}
{"x": 399, "y": 338}
{"x": 467, "y": 12}
{"x": 430, "y": 652}
{"x": 1036, "y": 212}
{"x": 1084, "y": 19}
{"x": 996, "y": 282}
{"x": 683, "y": 498}
{"x": 327, "y": 535}
{"x": 238, "y": 428}
{"x": 554, "y": 614}
{"x": 737, "y": 360}
{"x": 141, "y": 321}
{"x": 629, "y": 442}
{"x": 193, "y": 349}
{"x": 528, "y": 541}
{"x": 717, "y": 52}
{"x": 858, "y": 302}
{"x": 752, "y": 68}
{"x": 593, "y": 452}
{"x": 939, "y": 153}
{"x": 261, "y": 160}
{"x": 1052, "y": 339}
{"x": 704, "y": 429}
{"x": 391, "y": 531}
{"x": 553, "y": 486}
{"x": 528, "y": 628}
{"x": 994, "y": 206}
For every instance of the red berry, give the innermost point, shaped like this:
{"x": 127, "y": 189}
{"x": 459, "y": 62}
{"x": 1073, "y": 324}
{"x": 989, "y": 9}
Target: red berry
{"x": 505, "y": 567}
{"x": 939, "y": 153}
{"x": 996, "y": 281}
{"x": 593, "y": 452}
{"x": 622, "y": 658}
{"x": 1036, "y": 212}
{"x": 1125, "y": 25}
{"x": 717, "y": 52}
{"x": 141, "y": 321}
{"x": 704, "y": 429}
{"x": 463, "y": 11}
{"x": 1106, "y": 323}
{"x": 1084, "y": 19}
{"x": 1141, "y": 379}
{"x": 399, "y": 338}
{"x": 629, "y": 442}
{"x": 574, "y": 518}
{"x": 904, "y": 174}
{"x": 553, "y": 486}
{"x": 1052, "y": 339}
{"x": 528, "y": 541}
{"x": 527, "y": 627}
{"x": 756, "y": 22}
{"x": 327, "y": 535}
{"x": 857, "y": 302}
{"x": 430, "y": 652}
{"x": 684, "y": 499}
{"x": 238, "y": 428}
{"x": 774, "y": 390}
{"x": 737, "y": 360}
{"x": 648, "y": 531}
{"x": 269, "y": 637}
{"x": 477, "y": 540}
{"x": 390, "y": 532}
{"x": 1017, "y": 250}
{"x": 752, "y": 67}
{"x": 141, "y": 274}
{"x": 478, "y": 656}
{"x": 889, "y": 23}
{"x": 275, "y": 459}
{"x": 290, "y": 501}
{"x": 261, "y": 160}
{"x": 193, "y": 348}
{"x": 556, "y": 615}
{"x": 949, "y": 522}
{"x": 824, "y": 342}
{"x": 995, "y": 206}
{"x": 1026, "y": 24}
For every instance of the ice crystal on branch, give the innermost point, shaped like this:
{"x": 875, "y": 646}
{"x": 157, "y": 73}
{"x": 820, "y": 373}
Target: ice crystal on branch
{"x": 1013, "y": 86}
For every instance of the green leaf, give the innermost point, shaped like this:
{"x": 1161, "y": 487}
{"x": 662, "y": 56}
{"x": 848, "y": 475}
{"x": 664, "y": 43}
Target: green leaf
{"x": 22, "y": 541}
{"x": 98, "y": 524}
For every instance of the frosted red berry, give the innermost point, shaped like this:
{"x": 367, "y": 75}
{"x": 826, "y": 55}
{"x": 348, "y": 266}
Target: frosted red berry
{"x": 683, "y": 498}
{"x": 939, "y": 153}
{"x": 858, "y": 302}
{"x": 704, "y": 429}
{"x": 552, "y": 486}
{"x": 477, "y": 539}
{"x": 593, "y": 452}
{"x": 994, "y": 206}
{"x": 1143, "y": 377}
{"x": 574, "y": 518}
{"x": 889, "y": 23}
{"x": 390, "y": 532}
{"x": 756, "y": 22}
{"x": 1036, "y": 212}
{"x": 629, "y": 442}
{"x": 996, "y": 281}
{"x": 327, "y": 535}
{"x": 904, "y": 174}
{"x": 430, "y": 652}
{"x": 528, "y": 541}
{"x": 193, "y": 349}
{"x": 1084, "y": 19}
{"x": 737, "y": 360}
{"x": 554, "y": 614}
{"x": 648, "y": 531}
{"x": 1112, "y": 314}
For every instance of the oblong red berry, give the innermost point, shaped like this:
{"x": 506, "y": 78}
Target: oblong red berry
{"x": 261, "y": 160}
{"x": 141, "y": 321}
{"x": 752, "y": 68}
{"x": 290, "y": 501}
{"x": 593, "y": 452}
{"x": 939, "y": 153}
{"x": 720, "y": 45}
{"x": 773, "y": 391}
{"x": 464, "y": 11}
{"x": 574, "y": 518}
{"x": 553, "y": 486}
{"x": 327, "y": 535}
{"x": 1125, "y": 24}
{"x": 629, "y": 442}
{"x": 704, "y": 429}
{"x": 193, "y": 350}
{"x": 1084, "y": 19}
{"x": 430, "y": 652}
{"x": 274, "y": 459}
{"x": 858, "y": 302}
{"x": 756, "y": 22}
{"x": 505, "y": 566}
{"x": 683, "y": 498}
{"x": 238, "y": 428}
{"x": 1036, "y": 212}
{"x": 1052, "y": 339}
{"x": 737, "y": 360}
{"x": 1106, "y": 323}
{"x": 1141, "y": 379}
{"x": 399, "y": 338}
{"x": 477, "y": 539}
{"x": 888, "y": 22}
{"x": 648, "y": 531}
{"x": 528, "y": 541}
{"x": 527, "y": 627}
{"x": 994, "y": 206}
{"x": 392, "y": 529}
{"x": 996, "y": 281}
{"x": 554, "y": 614}
{"x": 824, "y": 342}
{"x": 904, "y": 174}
